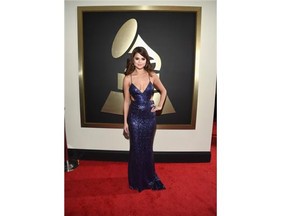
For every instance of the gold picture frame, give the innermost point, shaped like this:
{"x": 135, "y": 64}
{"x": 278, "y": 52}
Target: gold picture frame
{"x": 106, "y": 35}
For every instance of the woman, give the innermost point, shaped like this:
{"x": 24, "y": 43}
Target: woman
{"x": 140, "y": 119}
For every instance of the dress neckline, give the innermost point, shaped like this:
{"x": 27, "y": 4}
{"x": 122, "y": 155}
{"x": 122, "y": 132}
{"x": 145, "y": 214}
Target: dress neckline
{"x": 139, "y": 89}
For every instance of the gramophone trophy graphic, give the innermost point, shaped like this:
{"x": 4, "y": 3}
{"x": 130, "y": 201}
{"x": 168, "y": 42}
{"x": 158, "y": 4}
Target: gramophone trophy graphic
{"x": 123, "y": 42}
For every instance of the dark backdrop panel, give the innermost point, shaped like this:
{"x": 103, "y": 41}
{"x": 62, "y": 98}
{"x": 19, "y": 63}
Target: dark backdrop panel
{"x": 171, "y": 34}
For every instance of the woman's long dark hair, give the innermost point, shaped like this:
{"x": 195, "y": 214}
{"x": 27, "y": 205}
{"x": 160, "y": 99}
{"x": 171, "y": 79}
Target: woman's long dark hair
{"x": 130, "y": 67}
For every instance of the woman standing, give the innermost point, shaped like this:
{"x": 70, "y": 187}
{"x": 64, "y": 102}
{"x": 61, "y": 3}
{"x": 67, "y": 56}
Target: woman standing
{"x": 140, "y": 119}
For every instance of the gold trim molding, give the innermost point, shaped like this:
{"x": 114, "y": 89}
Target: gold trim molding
{"x": 115, "y": 95}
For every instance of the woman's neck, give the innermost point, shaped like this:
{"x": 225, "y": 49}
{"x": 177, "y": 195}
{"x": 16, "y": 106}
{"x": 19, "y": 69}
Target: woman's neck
{"x": 139, "y": 71}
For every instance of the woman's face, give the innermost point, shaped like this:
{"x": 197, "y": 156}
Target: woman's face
{"x": 139, "y": 61}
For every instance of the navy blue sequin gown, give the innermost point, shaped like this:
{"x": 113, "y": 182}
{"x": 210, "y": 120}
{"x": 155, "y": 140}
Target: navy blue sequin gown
{"x": 142, "y": 127}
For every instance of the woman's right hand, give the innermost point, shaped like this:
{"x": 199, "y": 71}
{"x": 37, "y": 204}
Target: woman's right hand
{"x": 126, "y": 130}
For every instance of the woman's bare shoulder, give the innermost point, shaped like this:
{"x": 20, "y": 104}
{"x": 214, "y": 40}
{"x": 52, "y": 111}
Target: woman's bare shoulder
{"x": 154, "y": 75}
{"x": 126, "y": 79}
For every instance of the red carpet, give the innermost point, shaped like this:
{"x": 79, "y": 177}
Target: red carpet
{"x": 101, "y": 188}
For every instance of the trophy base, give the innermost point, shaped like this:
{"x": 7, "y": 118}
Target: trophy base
{"x": 115, "y": 100}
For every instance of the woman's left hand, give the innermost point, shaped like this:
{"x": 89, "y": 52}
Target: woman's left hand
{"x": 156, "y": 108}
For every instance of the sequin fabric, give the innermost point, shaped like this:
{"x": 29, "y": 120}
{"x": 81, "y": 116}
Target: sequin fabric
{"x": 142, "y": 127}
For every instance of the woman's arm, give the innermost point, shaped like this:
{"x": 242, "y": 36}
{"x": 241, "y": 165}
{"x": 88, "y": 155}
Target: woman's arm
{"x": 163, "y": 92}
{"x": 127, "y": 101}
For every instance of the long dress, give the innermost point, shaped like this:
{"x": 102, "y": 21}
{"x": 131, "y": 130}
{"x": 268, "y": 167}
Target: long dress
{"x": 142, "y": 127}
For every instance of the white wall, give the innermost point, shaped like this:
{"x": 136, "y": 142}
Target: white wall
{"x": 165, "y": 140}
